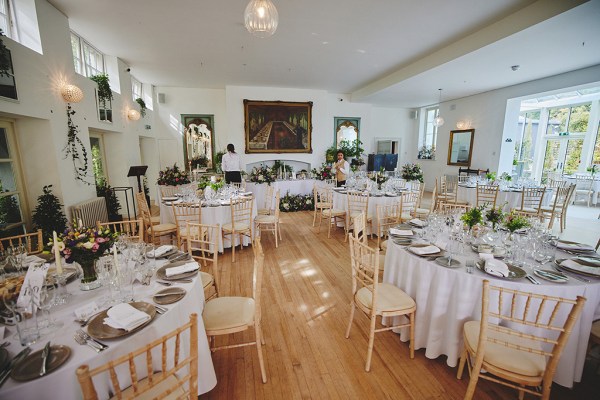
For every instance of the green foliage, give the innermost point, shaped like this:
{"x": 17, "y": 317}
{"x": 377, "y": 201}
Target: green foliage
{"x": 472, "y": 217}
{"x": 495, "y": 215}
{"x": 514, "y": 222}
{"x": 330, "y": 154}
{"x": 199, "y": 161}
{"x": 48, "y": 215}
{"x": 104, "y": 92}
{"x": 278, "y": 164}
{"x": 97, "y": 165}
{"x": 112, "y": 203}
{"x": 351, "y": 149}
{"x": 172, "y": 176}
{"x": 296, "y": 202}
{"x": 412, "y": 172}
{"x": 491, "y": 176}
{"x": 73, "y": 148}
{"x": 143, "y": 107}
{"x": 4, "y": 57}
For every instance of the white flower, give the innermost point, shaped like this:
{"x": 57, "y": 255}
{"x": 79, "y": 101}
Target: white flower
{"x": 286, "y": 206}
{"x": 88, "y": 245}
{"x": 261, "y": 178}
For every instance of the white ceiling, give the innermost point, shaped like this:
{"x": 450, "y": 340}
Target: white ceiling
{"x": 386, "y": 52}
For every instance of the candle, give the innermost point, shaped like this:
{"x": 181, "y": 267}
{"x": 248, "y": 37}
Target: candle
{"x": 213, "y": 179}
{"x": 57, "y": 260}
{"x": 80, "y": 222}
{"x": 116, "y": 257}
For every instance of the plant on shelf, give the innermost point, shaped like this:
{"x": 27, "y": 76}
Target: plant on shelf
{"x": 4, "y": 57}
{"x": 514, "y": 222}
{"x": 105, "y": 94}
{"x": 426, "y": 153}
{"x": 263, "y": 174}
{"x": 172, "y": 176}
{"x": 113, "y": 206}
{"x": 200, "y": 161}
{"x": 330, "y": 154}
{"x": 412, "y": 172}
{"x": 472, "y": 217}
{"x": 48, "y": 214}
{"x": 143, "y": 107}
{"x": 75, "y": 148}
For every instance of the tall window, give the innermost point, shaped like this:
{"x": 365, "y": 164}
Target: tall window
{"x": 98, "y": 159}
{"x": 429, "y": 138}
{"x": 525, "y": 143}
{"x": 11, "y": 196}
{"x": 87, "y": 59}
{"x": 596, "y": 157}
{"x": 136, "y": 89}
{"x": 568, "y": 120}
{"x": 7, "y": 20}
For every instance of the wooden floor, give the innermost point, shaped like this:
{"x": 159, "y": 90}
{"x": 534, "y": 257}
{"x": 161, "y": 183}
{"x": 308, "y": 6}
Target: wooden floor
{"x": 305, "y": 304}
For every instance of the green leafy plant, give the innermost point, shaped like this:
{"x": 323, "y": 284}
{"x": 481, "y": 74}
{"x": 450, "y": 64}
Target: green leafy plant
{"x": 75, "y": 148}
{"x": 296, "y": 202}
{"x": 218, "y": 160}
{"x": 472, "y": 217}
{"x": 351, "y": 148}
{"x": 48, "y": 214}
{"x": 506, "y": 177}
{"x": 514, "y": 222}
{"x": 330, "y": 154}
{"x": 199, "y": 161}
{"x": 491, "y": 176}
{"x": 104, "y": 92}
{"x": 113, "y": 206}
{"x": 4, "y": 57}
{"x": 143, "y": 107}
{"x": 495, "y": 215}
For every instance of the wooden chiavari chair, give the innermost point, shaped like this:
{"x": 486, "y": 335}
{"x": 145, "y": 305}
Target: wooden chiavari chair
{"x": 513, "y": 356}
{"x": 358, "y": 203}
{"x": 374, "y": 298}
{"x": 153, "y": 233}
{"x": 320, "y": 200}
{"x": 531, "y": 202}
{"x": 558, "y": 208}
{"x": 487, "y": 195}
{"x": 168, "y": 191}
{"x": 229, "y": 315}
{"x": 241, "y": 223}
{"x": 184, "y": 213}
{"x": 331, "y": 214}
{"x": 134, "y": 229}
{"x": 266, "y": 209}
{"x": 270, "y": 222}
{"x": 408, "y": 206}
{"x": 387, "y": 217}
{"x": 584, "y": 188}
{"x": 203, "y": 246}
{"x": 178, "y": 377}
{"x": 33, "y": 242}
{"x": 450, "y": 208}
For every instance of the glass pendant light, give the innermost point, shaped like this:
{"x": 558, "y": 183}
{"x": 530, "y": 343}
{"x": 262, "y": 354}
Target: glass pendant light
{"x": 261, "y": 18}
{"x": 439, "y": 121}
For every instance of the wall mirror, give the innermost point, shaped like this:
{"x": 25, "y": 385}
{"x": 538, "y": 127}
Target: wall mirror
{"x": 198, "y": 141}
{"x": 460, "y": 147}
{"x": 346, "y": 129}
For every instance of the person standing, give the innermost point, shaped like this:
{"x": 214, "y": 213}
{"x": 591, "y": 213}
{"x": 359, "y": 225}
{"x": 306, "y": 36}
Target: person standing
{"x": 231, "y": 165}
{"x": 342, "y": 169}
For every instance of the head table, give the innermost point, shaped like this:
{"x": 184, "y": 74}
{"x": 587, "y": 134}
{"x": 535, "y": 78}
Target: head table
{"x": 448, "y": 297}
{"x": 62, "y": 383}
{"x": 292, "y": 186}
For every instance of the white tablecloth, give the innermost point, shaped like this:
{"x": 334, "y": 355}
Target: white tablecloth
{"x": 512, "y": 199}
{"x": 219, "y": 215}
{"x": 340, "y": 202}
{"x": 62, "y": 383}
{"x": 447, "y": 298}
{"x": 297, "y": 186}
{"x": 595, "y": 187}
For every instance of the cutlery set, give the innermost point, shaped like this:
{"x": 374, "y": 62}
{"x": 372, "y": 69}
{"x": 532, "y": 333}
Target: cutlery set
{"x": 84, "y": 339}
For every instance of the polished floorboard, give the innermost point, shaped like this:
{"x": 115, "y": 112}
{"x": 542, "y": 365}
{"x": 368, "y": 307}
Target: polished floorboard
{"x": 305, "y": 306}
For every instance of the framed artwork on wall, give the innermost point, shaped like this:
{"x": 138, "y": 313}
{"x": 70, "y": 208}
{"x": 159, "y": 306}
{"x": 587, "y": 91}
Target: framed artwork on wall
{"x": 278, "y": 126}
{"x": 345, "y": 128}
{"x": 198, "y": 140}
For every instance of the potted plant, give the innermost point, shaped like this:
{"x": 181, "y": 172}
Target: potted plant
{"x": 105, "y": 96}
{"x": 112, "y": 203}
{"x": 142, "y": 104}
{"x": 218, "y": 158}
{"x": 4, "y": 57}
{"x": 330, "y": 154}
{"x": 48, "y": 215}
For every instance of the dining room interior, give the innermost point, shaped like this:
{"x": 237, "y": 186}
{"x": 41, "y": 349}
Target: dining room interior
{"x": 466, "y": 194}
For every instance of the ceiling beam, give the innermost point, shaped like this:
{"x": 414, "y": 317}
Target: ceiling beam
{"x": 528, "y": 16}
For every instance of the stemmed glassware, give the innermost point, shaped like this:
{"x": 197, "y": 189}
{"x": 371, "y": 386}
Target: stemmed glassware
{"x": 47, "y": 300}
{"x": 107, "y": 273}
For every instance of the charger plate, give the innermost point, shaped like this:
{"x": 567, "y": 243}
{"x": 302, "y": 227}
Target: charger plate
{"x": 29, "y": 368}
{"x": 99, "y": 330}
{"x": 514, "y": 272}
{"x": 169, "y": 295}
{"x": 161, "y": 273}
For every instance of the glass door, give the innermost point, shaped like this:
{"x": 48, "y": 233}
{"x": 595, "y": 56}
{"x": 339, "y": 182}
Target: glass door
{"x": 562, "y": 156}
{"x": 11, "y": 215}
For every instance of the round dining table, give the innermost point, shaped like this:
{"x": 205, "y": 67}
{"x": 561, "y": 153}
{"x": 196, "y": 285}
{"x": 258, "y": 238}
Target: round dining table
{"x": 62, "y": 383}
{"x": 340, "y": 202}
{"x": 446, "y": 298}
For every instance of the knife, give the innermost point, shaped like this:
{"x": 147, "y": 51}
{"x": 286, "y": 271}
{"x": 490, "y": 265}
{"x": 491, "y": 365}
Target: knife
{"x": 532, "y": 280}
{"x": 16, "y": 359}
{"x": 45, "y": 354}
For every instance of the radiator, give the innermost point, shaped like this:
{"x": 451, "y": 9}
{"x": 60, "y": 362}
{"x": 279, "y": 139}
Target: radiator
{"x": 90, "y": 211}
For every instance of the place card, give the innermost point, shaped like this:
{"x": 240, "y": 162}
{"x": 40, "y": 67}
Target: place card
{"x": 87, "y": 310}
{"x": 32, "y": 285}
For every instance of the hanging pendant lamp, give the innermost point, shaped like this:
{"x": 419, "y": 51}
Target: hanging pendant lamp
{"x": 439, "y": 121}
{"x": 261, "y": 18}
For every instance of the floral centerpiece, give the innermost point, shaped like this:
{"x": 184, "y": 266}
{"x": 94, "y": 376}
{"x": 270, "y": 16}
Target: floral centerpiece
{"x": 412, "y": 172}
{"x": 296, "y": 202}
{"x": 263, "y": 174}
{"x": 324, "y": 172}
{"x": 472, "y": 217}
{"x": 85, "y": 246}
{"x": 356, "y": 163}
{"x": 506, "y": 177}
{"x": 494, "y": 215}
{"x": 426, "y": 153}
{"x": 514, "y": 222}
{"x": 490, "y": 176}
{"x": 379, "y": 177}
{"x": 172, "y": 176}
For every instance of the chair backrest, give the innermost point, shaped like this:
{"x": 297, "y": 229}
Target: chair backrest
{"x": 178, "y": 371}
{"x": 34, "y": 242}
{"x": 241, "y": 211}
{"x": 359, "y": 224}
{"x": 203, "y": 242}
{"x": 557, "y": 183}
{"x": 186, "y": 212}
{"x": 277, "y": 201}
{"x": 408, "y": 203}
{"x": 358, "y": 202}
{"x": 387, "y": 216}
{"x": 526, "y": 312}
{"x": 134, "y": 229}
{"x": 434, "y": 198}
{"x": 532, "y": 197}
{"x": 323, "y": 195}
{"x": 463, "y": 178}
{"x": 562, "y": 196}
{"x": 365, "y": 269}
{"x": 451, "y": 208}
{"x": 168, "y": 191}
{"x": 269, "y": 197}
{"x": 584, "y": 182}
{"x": 331, "y": 182}
{"x": 487, "y": 195}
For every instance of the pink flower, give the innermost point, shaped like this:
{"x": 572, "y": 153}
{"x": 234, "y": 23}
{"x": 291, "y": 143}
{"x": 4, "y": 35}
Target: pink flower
{"x": 100, "y": 240}
{"x": 95, "y": 247}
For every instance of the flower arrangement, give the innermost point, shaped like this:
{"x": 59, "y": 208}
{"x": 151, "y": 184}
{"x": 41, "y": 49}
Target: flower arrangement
{"x": 172, "y": 176}
{"x": 490, "y": 176}
{"x": 296, "y": 202}
{"x": 514, "y": 222}
{"x": 216, "y": 185}
{"x": 472, "y": 217}
{"x": 426, "y": 153}
{"x": 379, "y": 176}
{"x": 356, "y": 163}
{"x": 494, "y": 216}
{"x": 263, "y": 174}
{"x": 412, "y": 172}
{"x": 324, "y": 172}
{"x": 506, "y": 177}
{"x": 199, "y": 161}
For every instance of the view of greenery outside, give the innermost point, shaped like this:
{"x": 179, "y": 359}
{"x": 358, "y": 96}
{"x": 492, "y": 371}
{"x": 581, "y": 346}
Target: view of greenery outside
{"x": 573, "y": 157}
{"x": 524, "y": 147}
{"x": 97, "y": 166}
{"x": 10, "y": 214}
{"x": 550, "y": 157}
{"x": 596, "y": 158}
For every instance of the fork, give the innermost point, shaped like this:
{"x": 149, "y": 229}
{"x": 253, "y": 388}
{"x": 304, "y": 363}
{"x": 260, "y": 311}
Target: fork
{"x": 88, "y": 338}
{"x": 82, "y": 341}
{"x": 160, "y": 310}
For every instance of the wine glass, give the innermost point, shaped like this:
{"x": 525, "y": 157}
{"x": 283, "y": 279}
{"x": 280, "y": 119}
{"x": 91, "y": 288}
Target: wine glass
{"x": 47, "y": 299}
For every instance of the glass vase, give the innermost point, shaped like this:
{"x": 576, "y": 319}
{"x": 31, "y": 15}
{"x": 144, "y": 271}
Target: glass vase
{"x": 89, "y": 280}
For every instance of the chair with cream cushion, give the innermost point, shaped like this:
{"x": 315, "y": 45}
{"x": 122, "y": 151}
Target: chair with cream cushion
{"x": 583, "y": 188}
{"x": 320, "y": 200}
{"x": 408, "y": 206}
{"x": 177, "y": 378}
{"x": 241, "y": 222}
{"x": 229, "y": 315}
{"x": 266, "y": 210}
{"x": 376, "y": 299}
{"x": 421, "y": 212}
{"x": 202, "y": 242}
{"x": 154, "y": 233}
{"x": 270, "y": 222}
{"x": 184, "y": 213}
{"x": 358, "y": 202}
{"x": 519, "y": 339}
{"x": 133, "y": 229}
{"x": 387, "y": 217}
{"x": 33, "y": 241}
{"x": 333, "y": 215}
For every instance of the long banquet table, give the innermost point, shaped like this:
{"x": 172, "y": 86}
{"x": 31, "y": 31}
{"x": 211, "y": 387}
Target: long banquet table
{"x": 512, "y": 198}
{"x": 447, "y": 298}
{"x": 62, "y": 383}
{"x": 293, "y": 186}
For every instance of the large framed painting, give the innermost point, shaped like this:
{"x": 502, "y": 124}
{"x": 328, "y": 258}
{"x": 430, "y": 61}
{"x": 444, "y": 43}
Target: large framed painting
{"x": 198, "y": 140}
{"x": 278, "y": 126}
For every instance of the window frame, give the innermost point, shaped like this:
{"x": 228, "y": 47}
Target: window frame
{"x": 134, "y": 94}
{"x": 87, "y": 69}
{"x": 425, "y": 127}
{"x": 11, "y": 20}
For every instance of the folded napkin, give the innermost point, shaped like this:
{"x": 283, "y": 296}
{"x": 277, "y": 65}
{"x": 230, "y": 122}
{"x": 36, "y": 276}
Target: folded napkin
{"x": 85, "y": 311}
{"x": 575, "y": 266}
{"x": 496, "y": 268}
{"x": 401, "y": 232}
{"x": 431, "y": 249}
{"x": 573, "y": 246}
{"x": 191, "y": 266}
{"x": 417, "y": 222}
{"x": 125, "y": 316}
{"x": 159, "y": 251}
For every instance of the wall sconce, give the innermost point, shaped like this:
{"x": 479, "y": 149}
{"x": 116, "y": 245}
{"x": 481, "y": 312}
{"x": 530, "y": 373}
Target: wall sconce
{"x": 463, "y": 124}
{"x": 133, "y": 115}
{"x": 71, "y": 94}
